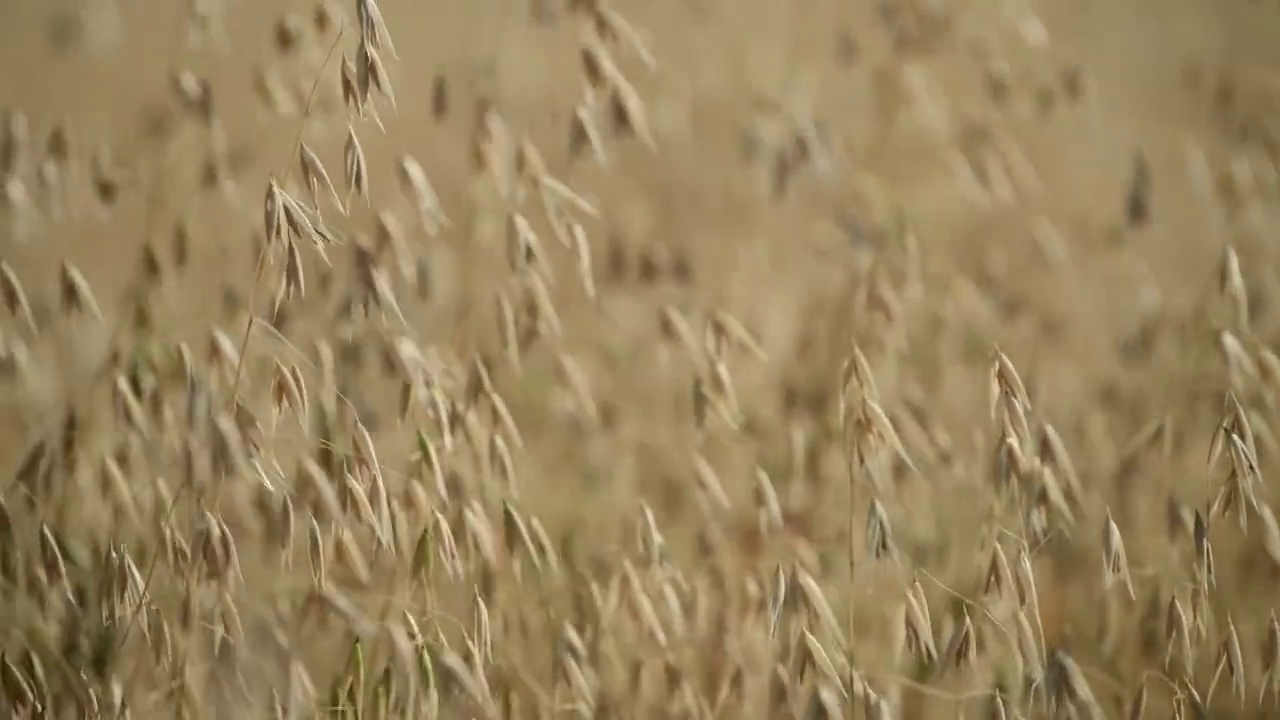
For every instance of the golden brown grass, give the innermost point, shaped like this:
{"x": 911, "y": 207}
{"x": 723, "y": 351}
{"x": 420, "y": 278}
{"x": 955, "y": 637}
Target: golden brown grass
{"x": 639, "y": 360}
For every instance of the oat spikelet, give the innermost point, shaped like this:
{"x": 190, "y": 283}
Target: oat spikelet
{"x": 767, "y": 504}
{"x": 709, "y": 482}
{"x": 1177, "y": 634}
{"x": 820, "y": 659}
{"x": 273, "y": 212}
{"x": 576, "y": 379}
{"x": 316, "y": 177}
{"x": 584, "y": 133}
{"x": 817, "y": 604}
{"x": 420, "y": 191}
{"x": 1138, "y": 704}
{"x": 1005, "y": 380}
{"x": 1271, "y": 663}
{"x": 1067, "y": 687}
{"x": 1231, "y": 284}
{"x": 76, "y": 295}
{"x": 727, "y": 328}
{"x": 373, "y": 28}
{"x": 15, "y": 300}
{"x": 643, "y": 605}
{"x": 1205, "y": 573}
{"x": 1115, "y": 564}
{"x": 879, "y": 532}
{"x": 1233, "y": 659}
{"x": 919, "y": 631}
{"x": 355, "y": 168}
{"x": 582, "y": 251}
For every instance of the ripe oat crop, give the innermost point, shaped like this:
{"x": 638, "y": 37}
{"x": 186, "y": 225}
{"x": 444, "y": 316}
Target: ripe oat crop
{"x": 612, "y": 359}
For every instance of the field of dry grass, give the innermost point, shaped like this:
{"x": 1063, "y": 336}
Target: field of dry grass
{"x": 616, "y": 359}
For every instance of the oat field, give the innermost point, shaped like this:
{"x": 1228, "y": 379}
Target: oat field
{"x": 722, "y": 359}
